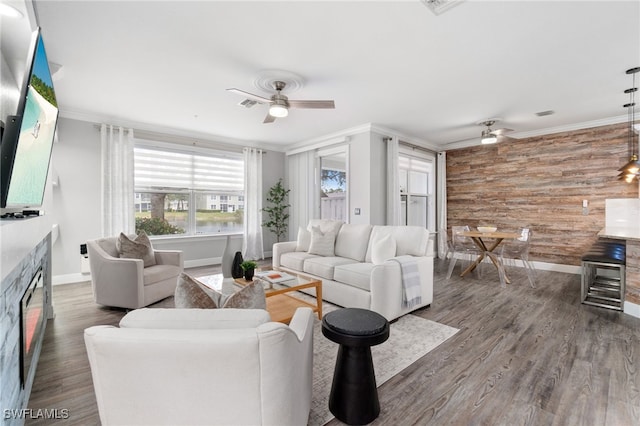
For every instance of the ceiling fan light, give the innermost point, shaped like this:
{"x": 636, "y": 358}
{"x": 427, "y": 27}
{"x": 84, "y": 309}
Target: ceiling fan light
{"x": 488, "y": 137}
{"x": 278, "y": 111}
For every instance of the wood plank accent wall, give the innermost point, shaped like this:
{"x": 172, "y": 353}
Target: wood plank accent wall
{"x": 540, "y": 182}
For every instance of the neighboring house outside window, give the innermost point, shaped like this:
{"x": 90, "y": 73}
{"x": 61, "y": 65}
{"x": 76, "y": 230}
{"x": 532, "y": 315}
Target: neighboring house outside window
{"x": 174, "y": 190}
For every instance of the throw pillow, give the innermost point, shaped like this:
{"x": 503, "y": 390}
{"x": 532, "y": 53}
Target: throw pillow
{"x": 249, "y": 297}
{"x": 383, "y": 249}
{"x": 322, "y": 243}
{"x": 138, "y": 248}
{"x": 190, "y": 293}
{"x": 304, "y": 239}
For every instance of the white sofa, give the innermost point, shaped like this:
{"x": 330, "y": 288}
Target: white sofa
{"x": 202, "y": 367}
{"x": 351, "y": 278}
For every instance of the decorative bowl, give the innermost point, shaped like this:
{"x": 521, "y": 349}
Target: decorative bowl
{"x": 487, "y": 229}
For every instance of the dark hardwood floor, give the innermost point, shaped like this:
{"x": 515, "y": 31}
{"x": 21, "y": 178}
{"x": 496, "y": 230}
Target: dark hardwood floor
{"x": 523, "y": 356}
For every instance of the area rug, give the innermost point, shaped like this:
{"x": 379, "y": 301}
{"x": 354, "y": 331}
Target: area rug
{"x": 411, "y": 337}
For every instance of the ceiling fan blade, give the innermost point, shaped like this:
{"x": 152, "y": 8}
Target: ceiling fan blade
{"x": 312, "y": 104}
{"x": 503, "y": 138}
{"x": 256, "y": 98}
{"x": 269, "y": 119}
{"x": 500, "y": 132}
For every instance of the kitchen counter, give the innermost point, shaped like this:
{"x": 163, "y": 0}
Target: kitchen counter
{"x": 621, "y": 232}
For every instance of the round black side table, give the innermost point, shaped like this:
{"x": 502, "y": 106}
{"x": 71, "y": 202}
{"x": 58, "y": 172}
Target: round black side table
{"x": 354, "y": 396}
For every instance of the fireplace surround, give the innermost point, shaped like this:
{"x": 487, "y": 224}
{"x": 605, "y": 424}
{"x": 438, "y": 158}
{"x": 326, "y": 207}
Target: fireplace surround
{"x": 26, "y": 274}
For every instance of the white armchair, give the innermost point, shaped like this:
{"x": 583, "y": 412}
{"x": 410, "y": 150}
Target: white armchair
{"x": 126, "y": 283}
{"x": 202, "y": 367}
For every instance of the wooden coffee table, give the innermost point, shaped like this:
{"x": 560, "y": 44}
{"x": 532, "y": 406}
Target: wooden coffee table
{"x": 281, "y": 302}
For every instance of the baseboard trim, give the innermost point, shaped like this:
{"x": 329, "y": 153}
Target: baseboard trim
{"x": 195, "y": 263}
{"x": 631, "y": 309}
{"x": 70, "y": 278}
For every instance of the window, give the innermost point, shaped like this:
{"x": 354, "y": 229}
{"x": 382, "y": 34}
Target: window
{"x": 416, "y": 189}
{"x": 333, "y": 183}
{"x": 175, "y": 189}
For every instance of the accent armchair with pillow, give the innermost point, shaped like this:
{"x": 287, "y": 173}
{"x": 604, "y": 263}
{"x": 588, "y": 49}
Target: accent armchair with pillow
{"x": 126, "y": 275}
{"x": 202, "y": 367}
{"x": 387, "y": 269}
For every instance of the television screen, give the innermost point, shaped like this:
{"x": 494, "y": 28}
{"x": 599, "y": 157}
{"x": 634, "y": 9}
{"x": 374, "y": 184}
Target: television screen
{"x": 28, "y": 139}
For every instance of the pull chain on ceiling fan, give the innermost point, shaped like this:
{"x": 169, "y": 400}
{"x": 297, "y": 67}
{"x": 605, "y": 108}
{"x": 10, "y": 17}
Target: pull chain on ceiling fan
{"x": 279, "y": 104}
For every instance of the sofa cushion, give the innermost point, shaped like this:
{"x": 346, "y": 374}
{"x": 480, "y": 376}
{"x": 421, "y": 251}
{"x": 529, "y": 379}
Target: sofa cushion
{"x": 295, "y": 260}
{"x": 322, "y": 242}
{"x": 410, "y": 240}
{"x": 326, "y": 225}
{"x": 355, "y": 274}
{"x": 136, "y": 248}
{"x": 156, "y": 273}
{"x": 323, "y": 266}
{"x": 352, "y": 241}
{"x": 304, "y": 239}
{"x": 383, "y": 249}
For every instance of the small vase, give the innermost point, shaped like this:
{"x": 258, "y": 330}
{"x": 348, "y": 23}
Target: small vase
{"x": 248, "y": 274}
{"x": 236, "y": 270}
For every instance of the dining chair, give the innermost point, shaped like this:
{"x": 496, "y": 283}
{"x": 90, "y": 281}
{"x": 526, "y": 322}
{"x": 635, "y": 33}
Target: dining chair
{"x": 518, "y": 249}
{"x": 463, "y": 247}
{"x": 444, "y": 242}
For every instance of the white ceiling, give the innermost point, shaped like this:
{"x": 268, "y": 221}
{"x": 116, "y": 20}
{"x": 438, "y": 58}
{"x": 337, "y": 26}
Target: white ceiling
{"x": 166, "y": 64}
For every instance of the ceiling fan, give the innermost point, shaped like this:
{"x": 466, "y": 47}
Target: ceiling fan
{"x": 490, "y": 136}
{"x": 279, "y": 104}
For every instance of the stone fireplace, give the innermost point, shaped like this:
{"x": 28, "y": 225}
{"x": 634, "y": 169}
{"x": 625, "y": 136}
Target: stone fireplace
{"x": 25, "y": 306}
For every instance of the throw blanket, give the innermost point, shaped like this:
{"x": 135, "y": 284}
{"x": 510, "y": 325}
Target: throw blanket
{"x": 411, "y": 289}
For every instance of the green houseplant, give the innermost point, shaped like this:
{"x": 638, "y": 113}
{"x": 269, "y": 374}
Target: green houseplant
{"x": 249, "y": 268}
{"x": 277, "y": 213}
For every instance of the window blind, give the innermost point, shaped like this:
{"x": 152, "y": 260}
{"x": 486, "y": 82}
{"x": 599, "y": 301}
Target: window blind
{"x": 159, "y": 169}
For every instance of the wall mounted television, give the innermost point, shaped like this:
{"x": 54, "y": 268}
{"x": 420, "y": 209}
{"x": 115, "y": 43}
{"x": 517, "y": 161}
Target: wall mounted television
{"x": 27, "y": 139}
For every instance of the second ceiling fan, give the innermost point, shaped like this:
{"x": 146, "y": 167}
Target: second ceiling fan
{"x": 490, "y": 136}
{"x": 279, "y": 104}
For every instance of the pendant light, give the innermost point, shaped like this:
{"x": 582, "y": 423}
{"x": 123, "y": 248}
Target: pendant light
{"x": 631, "y": 170}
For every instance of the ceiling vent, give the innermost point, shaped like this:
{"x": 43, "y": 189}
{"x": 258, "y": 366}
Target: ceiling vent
{"x": 543, "y": 113}
{"x": 440, "y": 6}
{"x": 247, "y": 103}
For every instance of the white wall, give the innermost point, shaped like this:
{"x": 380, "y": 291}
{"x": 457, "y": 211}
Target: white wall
{"x": 76, "y": 201}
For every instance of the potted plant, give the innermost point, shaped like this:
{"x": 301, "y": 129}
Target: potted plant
{"x": 278, "y": 216}
{"x": 249, "y": 267}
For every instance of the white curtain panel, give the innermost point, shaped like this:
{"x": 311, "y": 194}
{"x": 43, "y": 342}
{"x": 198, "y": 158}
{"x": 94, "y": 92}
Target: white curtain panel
{"x": 442, "y": 202}
{"x": 117, "y": 180}
{"x": 252, "y": 244}
{"x": 393, "y": 184}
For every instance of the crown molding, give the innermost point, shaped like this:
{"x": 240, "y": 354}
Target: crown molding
{"x": 475, "y": 141}
{"x": 161, "y": 130}
{"x": 570, "y": 127}
{"x": 342, "y": 135}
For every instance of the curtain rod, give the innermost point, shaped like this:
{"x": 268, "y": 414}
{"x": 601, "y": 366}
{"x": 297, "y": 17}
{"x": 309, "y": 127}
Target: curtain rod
{"x": 180, "y": 140}
{"x": 412, "y": 146}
